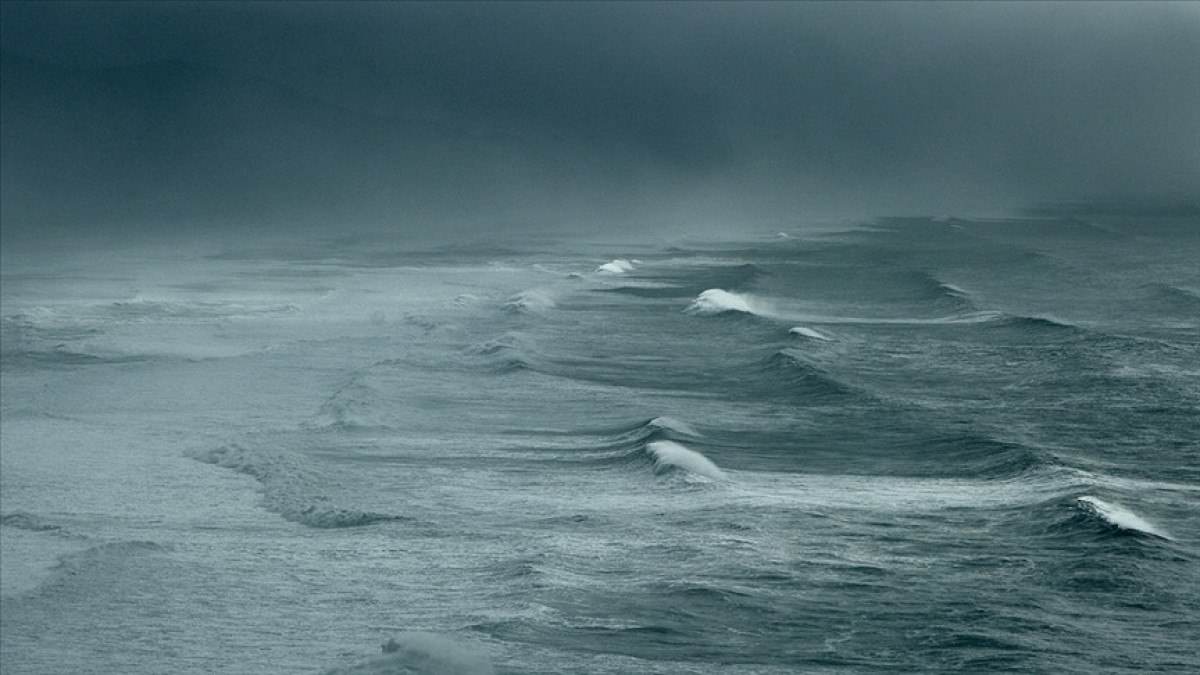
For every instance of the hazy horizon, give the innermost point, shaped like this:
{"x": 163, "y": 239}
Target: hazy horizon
{"x": 147, "y": 118}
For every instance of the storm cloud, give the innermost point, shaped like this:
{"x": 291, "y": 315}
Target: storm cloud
{"x": 463, "y": 115}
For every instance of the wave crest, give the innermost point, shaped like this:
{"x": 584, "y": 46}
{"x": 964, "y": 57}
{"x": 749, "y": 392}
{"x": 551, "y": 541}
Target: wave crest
{"x": 1119, "y": 517}
{"x": 618, "y": 266}
{"x": 805, "y": 331}
{"x": 669, "y": 455}
{"x": 716, "y": 301}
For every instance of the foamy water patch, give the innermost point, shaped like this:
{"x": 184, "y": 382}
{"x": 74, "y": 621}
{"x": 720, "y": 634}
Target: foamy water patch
{"x": 533, "y": 301}
{"x": 424, "y": 654}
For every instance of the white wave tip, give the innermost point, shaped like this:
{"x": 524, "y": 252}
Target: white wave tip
{"x": 615, "y": 267}
{"x": 807, "y": 332}
{"x": 668, "y": 454}
{"x": 1121, "y": 517}
{"x": 717, "y": 301}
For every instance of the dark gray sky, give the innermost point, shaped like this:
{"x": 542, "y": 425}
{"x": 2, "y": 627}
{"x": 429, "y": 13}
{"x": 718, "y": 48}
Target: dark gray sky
{"x": 608, "y": 114}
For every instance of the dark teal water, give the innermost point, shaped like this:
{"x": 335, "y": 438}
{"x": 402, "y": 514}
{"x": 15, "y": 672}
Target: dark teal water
{"x": 913, "y": 446}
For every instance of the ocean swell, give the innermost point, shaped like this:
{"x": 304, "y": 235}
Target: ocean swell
{"x": 289, "y": 485}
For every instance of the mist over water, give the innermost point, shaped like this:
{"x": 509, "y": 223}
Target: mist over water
{"x": 543, "y": 338}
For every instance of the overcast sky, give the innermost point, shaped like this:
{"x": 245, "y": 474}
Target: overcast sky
{"x": 741, "y": 112}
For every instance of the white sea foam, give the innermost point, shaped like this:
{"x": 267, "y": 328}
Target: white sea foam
{"x": 424, "y": 653}
{"x": 807, "y": 332}
{"x": 533, "y": 300}
{"x": 1120, "y": 516}
{"x": 615, "y": 267}
{"x": 717, "y": 301}
{"x": 669, "y": 454}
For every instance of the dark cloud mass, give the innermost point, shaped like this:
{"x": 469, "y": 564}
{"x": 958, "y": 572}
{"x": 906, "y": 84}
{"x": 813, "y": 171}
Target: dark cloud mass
{"x": 460, "y": 115}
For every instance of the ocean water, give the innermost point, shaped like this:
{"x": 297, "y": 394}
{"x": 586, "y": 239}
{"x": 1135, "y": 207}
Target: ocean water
{"x": 911, "y": 445}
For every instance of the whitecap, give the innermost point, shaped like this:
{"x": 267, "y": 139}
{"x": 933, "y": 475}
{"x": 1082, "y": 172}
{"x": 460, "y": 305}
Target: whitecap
{"x": 807, "y": 332}
{"x": 668, "y": 454}
{"x": 1120, "y": 517}
{"x": 615, "y": 267}
{"x": 672, "y": 424}
{"x": 717, "y": 301}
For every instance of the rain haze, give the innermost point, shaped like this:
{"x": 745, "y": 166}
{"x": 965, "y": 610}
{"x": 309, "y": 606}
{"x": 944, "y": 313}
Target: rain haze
{"x": 486, "y": 116}
{"x": 681, "y": 337}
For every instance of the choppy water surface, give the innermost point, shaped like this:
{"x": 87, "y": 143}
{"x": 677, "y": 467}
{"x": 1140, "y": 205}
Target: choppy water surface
{"x": 914, "y": 446}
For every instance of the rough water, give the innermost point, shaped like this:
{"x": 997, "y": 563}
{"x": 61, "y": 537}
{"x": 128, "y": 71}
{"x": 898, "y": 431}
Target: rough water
{"x": 914, "y": 446}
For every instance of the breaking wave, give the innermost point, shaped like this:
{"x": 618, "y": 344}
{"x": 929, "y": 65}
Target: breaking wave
{"x": 669, "y": 455}
{"x": 1119, "y": 517}
{"x": 615, "y": 267}
{"x": 657, "y": 444}
{"x": 804, "y": 331}
{"x": 716, "y": 301}
{"x": 1174, "y": 298}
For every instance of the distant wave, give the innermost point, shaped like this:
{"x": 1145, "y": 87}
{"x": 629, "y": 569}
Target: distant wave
{"x": 1032, "y": 324}
{"x": 41, "y": 339}
{"x": 142, "y": 310}
{"x": 115, "y": 551}
{"x": 716, "y": 301}
{"x": 36, "y": 359}
{"x": 669, "y": 455}
{"x": 646, "y": 289}
{"x": 533, "y": 301}
{"x": 290, "y": 487}
{"x": 942, "y": 295}
{"x": 1119, "y": 517}
{"x": 1173, "y": 297}
{"x": 29, "y": 522}
{"x": 986, "y": 319}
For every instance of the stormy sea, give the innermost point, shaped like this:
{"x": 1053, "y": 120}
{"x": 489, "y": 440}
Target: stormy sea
{"x": 906, "y": 445}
